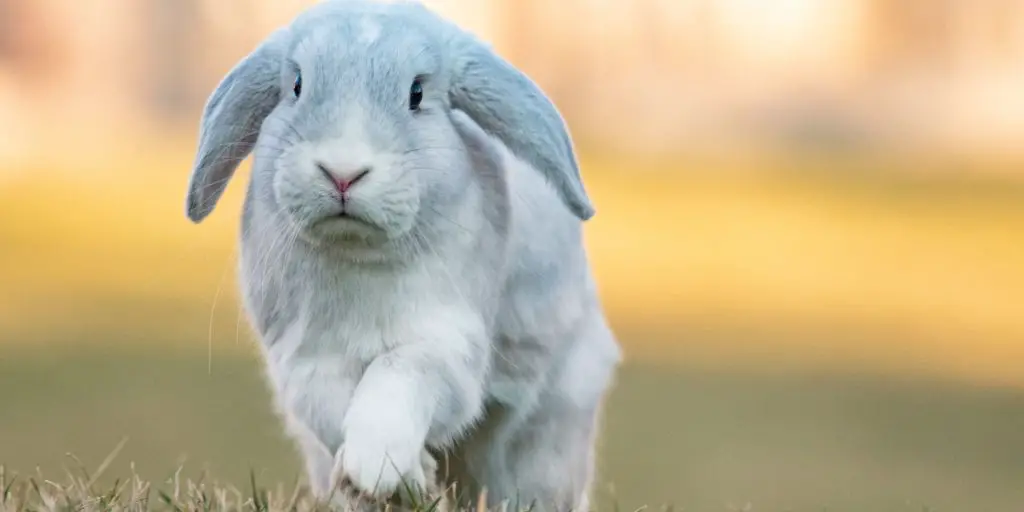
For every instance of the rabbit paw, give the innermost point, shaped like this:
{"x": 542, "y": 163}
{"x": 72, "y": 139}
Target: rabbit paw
{"x": 379, "y": 465}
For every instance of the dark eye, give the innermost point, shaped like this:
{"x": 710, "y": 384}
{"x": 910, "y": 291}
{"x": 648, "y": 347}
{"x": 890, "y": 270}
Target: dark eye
{"x": 297, "y": 86}
{"x": 415, "y": 95}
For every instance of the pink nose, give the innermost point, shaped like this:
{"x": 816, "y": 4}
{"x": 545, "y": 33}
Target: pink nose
{"x": 343, "y": 180}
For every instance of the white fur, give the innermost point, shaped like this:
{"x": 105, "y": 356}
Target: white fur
{"x": 369, "y": 31}
{"x": 447, "y": 306}
{"x": 351, "y": 150}
{"x": 373, "y": 392}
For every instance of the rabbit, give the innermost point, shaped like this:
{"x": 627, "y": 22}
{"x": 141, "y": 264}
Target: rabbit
{"x": 412, "y": 257}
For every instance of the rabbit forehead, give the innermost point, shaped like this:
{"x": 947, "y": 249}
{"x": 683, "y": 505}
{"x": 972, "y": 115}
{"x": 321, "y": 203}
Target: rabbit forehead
{"x": 346, "y": 30}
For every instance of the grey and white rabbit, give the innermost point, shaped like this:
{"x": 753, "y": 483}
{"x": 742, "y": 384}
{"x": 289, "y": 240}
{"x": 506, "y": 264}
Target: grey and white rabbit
{"x": 412, "y": 257}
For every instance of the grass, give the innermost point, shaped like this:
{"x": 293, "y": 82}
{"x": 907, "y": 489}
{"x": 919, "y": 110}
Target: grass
{"x": 673, "y": 434}
{"x": 79, "y": 492}
{"x": 799, "y": 336}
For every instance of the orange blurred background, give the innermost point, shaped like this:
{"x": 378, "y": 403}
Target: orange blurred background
{"x": 810, "y": 237}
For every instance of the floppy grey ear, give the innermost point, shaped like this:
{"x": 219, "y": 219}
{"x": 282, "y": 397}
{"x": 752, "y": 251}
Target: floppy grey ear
{"x": 231, "y": 122}
{"x": 509, "y": 106}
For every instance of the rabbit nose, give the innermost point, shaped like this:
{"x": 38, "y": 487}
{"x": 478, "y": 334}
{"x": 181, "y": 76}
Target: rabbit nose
{"x": 343, "y": 180}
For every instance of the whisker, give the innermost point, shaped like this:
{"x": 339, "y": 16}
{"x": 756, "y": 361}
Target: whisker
{"x": 432, "y": 148}
{"x": 444, "y": 266}
{"x": 213, "y": 309}
{"x": 445, "y": 218}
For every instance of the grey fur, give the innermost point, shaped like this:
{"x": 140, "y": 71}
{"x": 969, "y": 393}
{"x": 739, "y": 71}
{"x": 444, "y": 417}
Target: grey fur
{"x": 508, "y": 105}
{"x": 453, "y": 311}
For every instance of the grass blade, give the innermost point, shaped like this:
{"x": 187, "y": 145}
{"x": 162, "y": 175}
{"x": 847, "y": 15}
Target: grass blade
{"x": 260, "y": 505}
{"x": 106, "y": 462}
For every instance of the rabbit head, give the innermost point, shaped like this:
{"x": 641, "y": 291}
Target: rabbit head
{"x": 348, "y": 112}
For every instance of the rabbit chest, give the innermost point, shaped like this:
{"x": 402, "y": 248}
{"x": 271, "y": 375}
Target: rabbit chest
{"x": 321, "y": 324}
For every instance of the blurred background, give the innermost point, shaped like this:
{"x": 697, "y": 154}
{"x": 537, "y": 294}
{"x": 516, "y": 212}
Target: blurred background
{"x": 810, "y": 240}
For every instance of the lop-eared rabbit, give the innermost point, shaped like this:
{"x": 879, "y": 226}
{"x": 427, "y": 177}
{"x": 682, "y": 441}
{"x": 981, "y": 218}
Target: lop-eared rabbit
{"x": 412, "y": 258}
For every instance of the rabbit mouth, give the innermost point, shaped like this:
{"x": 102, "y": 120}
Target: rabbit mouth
{"x": 347, "y": 225}
{"x": 349, "y": 217}
{"x": 345, "y": 218}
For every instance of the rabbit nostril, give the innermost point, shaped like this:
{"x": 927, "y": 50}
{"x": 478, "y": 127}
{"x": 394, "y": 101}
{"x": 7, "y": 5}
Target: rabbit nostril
{"x": 343, "y": 181}
{"x": 358, "y": 176}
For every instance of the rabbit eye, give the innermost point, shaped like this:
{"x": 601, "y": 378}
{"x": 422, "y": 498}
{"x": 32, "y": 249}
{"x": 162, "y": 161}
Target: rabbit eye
{"x": 415, "y": 95}
{"x": 297, "y": 86}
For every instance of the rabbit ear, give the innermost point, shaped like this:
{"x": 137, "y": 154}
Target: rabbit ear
{"x": 231, "y": 122}
{"x": 509, "y": 106}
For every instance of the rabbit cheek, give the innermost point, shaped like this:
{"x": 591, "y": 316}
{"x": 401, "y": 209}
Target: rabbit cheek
{"x": 301, "y": 191}
{"x": 304, "y": 200}
{"x": 392, "y": 204}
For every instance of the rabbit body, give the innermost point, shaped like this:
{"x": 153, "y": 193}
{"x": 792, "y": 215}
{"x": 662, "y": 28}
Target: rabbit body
{"x": 448, "y": 331}
{"x": 432, "y": 315}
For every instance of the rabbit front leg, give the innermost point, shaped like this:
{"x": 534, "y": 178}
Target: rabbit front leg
{"x": 425, "y": 391}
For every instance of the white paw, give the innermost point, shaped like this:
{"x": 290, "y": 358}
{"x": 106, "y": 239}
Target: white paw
{"x": 380, "y": 461}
